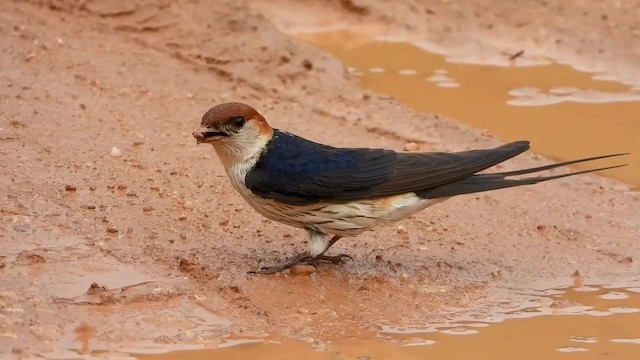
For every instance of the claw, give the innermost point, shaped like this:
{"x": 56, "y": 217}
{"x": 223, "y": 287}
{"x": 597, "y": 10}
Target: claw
{"x": 302, "y": 258}
{"x": 298, "y": 259}
{"x": 267, "y": 270}
{"x": 337, "y": 259}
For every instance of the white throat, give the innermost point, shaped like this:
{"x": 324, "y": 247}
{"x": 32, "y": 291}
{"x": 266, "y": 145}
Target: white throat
{"x": 239, "y": 157}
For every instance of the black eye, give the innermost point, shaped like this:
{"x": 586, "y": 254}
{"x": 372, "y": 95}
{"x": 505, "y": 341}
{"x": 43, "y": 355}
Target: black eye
{"x": 238, "y": 121}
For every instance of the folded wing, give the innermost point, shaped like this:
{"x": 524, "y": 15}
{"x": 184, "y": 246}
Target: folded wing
{"x": 296, "y": 171}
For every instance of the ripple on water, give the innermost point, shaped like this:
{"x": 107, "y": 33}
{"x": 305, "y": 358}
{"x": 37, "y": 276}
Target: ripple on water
{"x": 407, "y": 72}
{"x": 582, "y": 339}
{"x": 418, "y": 342}
{"x": 448, "y": 84}
{"x": 586, "y": 289}
{"x": 624, "y": 310}
{"x": 572, "y": 349}
{"x": 459, "y": 331}
{"x": 537, "y": 97}
{"x": 614, "y": 295}
{"x": 626, "y": 341}
{"x": 597, "y": 313}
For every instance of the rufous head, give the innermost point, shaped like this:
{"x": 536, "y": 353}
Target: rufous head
{"x": 234, "y": 129}
{"x": 228, "y": 121}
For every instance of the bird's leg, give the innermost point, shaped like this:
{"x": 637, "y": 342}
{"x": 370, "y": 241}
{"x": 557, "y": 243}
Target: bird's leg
{"x": 336, "y": 259}
{"x": 305, "y": 257}
{"x": 333, "y": 240}
{"x": 319, "y": 244}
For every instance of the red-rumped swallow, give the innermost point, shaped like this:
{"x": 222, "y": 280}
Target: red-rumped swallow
{"x": 346, "y": 191}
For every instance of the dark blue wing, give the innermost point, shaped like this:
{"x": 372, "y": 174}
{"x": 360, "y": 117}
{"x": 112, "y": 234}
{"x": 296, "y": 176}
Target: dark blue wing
{"x": 297, "y": 171}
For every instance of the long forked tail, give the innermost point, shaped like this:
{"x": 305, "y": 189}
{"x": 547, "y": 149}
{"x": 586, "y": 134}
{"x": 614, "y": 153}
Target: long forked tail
{"x": 494, "y": 181}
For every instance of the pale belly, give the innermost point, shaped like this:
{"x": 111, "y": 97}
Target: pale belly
{"x": 346, "y": 219}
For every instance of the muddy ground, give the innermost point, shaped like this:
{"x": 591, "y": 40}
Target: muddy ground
{"x": 149, "y": 244}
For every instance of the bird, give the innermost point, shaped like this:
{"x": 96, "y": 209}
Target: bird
{"x": 333, "y": 192}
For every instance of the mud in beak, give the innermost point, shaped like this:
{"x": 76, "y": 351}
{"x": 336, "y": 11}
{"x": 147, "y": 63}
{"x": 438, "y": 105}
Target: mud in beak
{"x": 205, "y": 135}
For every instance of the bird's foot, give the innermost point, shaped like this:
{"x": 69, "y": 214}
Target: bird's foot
{"x": 302, "y": 258}
{"x": 335, "y": 259}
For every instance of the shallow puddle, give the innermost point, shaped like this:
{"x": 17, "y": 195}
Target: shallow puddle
{"x": 564, "y": 112}
{"x": 584, "y": 322}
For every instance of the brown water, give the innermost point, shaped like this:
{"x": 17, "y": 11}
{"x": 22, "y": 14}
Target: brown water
{"x": 585, "y": 322}
{"x": 566, "y": 113}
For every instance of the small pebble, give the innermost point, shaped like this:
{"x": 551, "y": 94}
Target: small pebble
{"x": 402, "y": 229}
{"x": 112, "y": 230}
{"x": 303, "y": 270}
{"x": 187, "y": 205}
{"x": 576, "y": 273}
{"x": 411, "y": 146}
{"x": 307, "y": 64}
{"x": 21, "y": 227}
{"x": 147, "y": 208}
{"x": 115, "y": 152}
{"x": 13, "y": 309}
{"x": 303, "y": 311}
{"x": 9, "y": 296}
{"x": 42, "y": 332}
{"x": 70, "y": 188}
